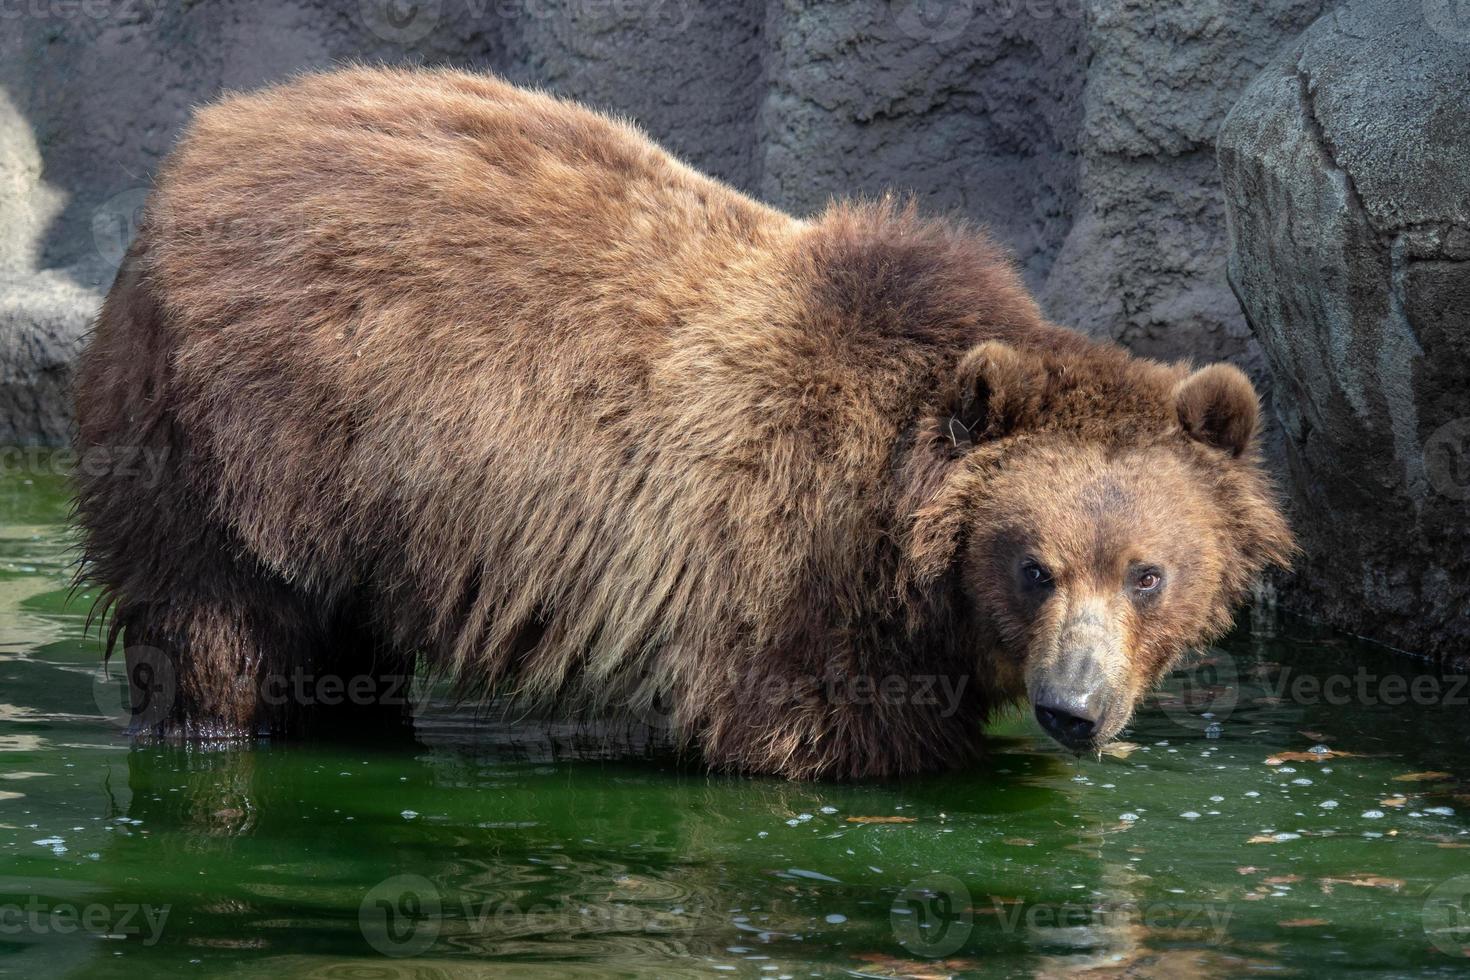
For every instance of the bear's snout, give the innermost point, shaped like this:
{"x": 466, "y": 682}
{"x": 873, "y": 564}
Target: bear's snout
{"x": 1073, "y": 691}
{"x": 1077, "y": 708}
{"x": 1068, "y": 721}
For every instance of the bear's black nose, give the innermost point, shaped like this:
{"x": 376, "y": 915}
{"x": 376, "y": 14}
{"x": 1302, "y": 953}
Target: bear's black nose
{"x": 1072, "y": 730}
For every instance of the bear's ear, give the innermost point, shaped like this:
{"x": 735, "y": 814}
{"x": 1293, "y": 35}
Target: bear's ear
{"x": 1217, "y": 406}
{"x": 996, "y": 388}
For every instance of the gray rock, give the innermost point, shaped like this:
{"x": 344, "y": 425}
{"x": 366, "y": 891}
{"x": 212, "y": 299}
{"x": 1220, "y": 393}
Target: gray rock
{"x": 974, "y": 108}
{"x": 1144, "y": 261}
{"x": 43, "y": 322}
{"x": 1348, "y": 188}
{"x": 1077, "y": 130}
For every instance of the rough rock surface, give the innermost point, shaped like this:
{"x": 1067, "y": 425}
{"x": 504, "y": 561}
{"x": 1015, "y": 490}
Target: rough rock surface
{"x": 1144, "y": 261}
{"x": 1078, "y": 130}
{"x": 1346, "y": 169}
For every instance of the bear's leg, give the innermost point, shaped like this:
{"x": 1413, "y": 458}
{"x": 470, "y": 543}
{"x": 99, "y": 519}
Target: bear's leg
{"x": 217, "y": 643}
{"x": 829, "y": 724}
{"x": 227, "y": 655}
{"x": 255, "y": 657}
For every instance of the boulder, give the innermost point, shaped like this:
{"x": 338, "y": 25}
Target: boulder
{"x": 1346, "y": 170}
{"x": 1143, "y": 262}
{"x": 1078, "y": 131}
{"x": 44, "y": 318}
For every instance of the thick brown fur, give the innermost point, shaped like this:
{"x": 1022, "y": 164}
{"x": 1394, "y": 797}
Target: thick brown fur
{"x": 443, "y": 367}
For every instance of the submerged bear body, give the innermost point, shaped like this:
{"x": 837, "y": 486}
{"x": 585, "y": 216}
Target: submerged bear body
{"x": 447, "y": 372}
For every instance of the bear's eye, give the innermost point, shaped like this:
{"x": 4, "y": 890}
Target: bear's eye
{"x": 1148, "y": 580}
{"x": 1033, "y": 573}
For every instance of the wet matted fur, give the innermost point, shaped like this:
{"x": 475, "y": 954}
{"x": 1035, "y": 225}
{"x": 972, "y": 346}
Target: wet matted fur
{"x": 439, "y": 367}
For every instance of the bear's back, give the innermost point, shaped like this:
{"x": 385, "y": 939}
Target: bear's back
{"x": 335, "y": 196}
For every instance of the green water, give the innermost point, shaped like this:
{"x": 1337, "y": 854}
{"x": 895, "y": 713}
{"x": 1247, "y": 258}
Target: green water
{"x": 486, "y": 849}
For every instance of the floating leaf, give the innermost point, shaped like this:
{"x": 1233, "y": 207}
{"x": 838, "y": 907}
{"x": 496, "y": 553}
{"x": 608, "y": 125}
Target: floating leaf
{"x": 1422, "y": 777}
{"x": 1280, "y": 757}
{"x": 1364, "y": 881}
{"x": 1302, "y": 923}
{"x": 1019, "y": 842}
{"x": 882, "y": 820}
{"x": 1283, "y": 879}
{"x": 1393, "y": 801}
{"x": 1249, "y": 869}
{"x": 881, "y": 964}
{"x": 1120, "y": 750}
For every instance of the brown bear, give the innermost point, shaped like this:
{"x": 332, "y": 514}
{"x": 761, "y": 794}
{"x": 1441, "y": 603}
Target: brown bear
{"x": 442, "y": 368}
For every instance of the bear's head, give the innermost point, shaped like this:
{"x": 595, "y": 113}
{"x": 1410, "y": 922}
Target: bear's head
{"x": 1098, "y": 515}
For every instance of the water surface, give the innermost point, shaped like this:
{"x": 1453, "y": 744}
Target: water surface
{"x": 487, "y": 849}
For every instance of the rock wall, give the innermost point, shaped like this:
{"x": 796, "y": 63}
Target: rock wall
{"x": 1081, "y": 132}
{"x": 1077, "y": 130}
{"x": 1347, "y": 170}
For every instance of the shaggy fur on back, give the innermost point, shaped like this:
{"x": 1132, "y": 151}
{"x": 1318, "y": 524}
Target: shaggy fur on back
{"x": 444, "y": 367}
